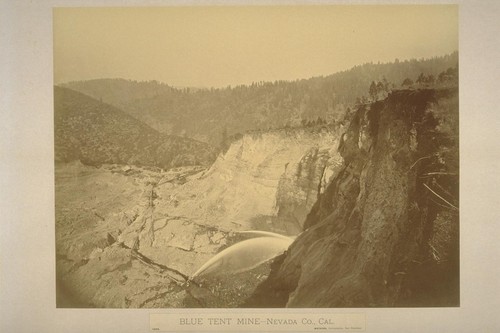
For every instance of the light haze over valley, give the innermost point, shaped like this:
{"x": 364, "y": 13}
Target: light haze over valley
{"x": 256, "y": 156}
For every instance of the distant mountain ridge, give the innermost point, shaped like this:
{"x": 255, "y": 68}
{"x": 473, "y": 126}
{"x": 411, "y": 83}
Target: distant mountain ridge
{"x": 119, "y": 91}
{"x": 96, "y": 133}
{"x": 205, "y": 114}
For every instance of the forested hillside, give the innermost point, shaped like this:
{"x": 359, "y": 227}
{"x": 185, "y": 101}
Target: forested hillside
{"x": 96, "y": 133}
{"x": 119, "y": 91}
{"x": 205, "y": 114}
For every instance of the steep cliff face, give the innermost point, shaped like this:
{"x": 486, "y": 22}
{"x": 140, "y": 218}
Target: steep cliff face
{"x": 266, "y": 181}
{"x": 385, "y": 230}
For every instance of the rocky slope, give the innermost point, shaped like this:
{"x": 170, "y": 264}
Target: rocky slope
{"x": 385, "y": 231}
{"x": 109, "y": 246}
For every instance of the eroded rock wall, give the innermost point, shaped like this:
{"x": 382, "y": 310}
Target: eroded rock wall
{"x": 130, "y": 237}
{"x": 385, "y": 230}
{"x": 265, "y": 181}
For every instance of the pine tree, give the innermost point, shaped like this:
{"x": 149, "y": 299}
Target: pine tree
{"x": 373, "y": 90}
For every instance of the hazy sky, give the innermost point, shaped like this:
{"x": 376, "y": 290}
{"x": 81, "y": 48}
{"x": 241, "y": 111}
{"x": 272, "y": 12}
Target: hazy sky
{"x": 222, "y": 45}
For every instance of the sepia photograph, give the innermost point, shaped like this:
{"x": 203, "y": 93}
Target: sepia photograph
{"x": 257, "y": 156}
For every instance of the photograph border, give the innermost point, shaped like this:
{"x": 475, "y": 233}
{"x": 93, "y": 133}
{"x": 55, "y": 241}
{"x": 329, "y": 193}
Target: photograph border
{"x": 27, "y": 276}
